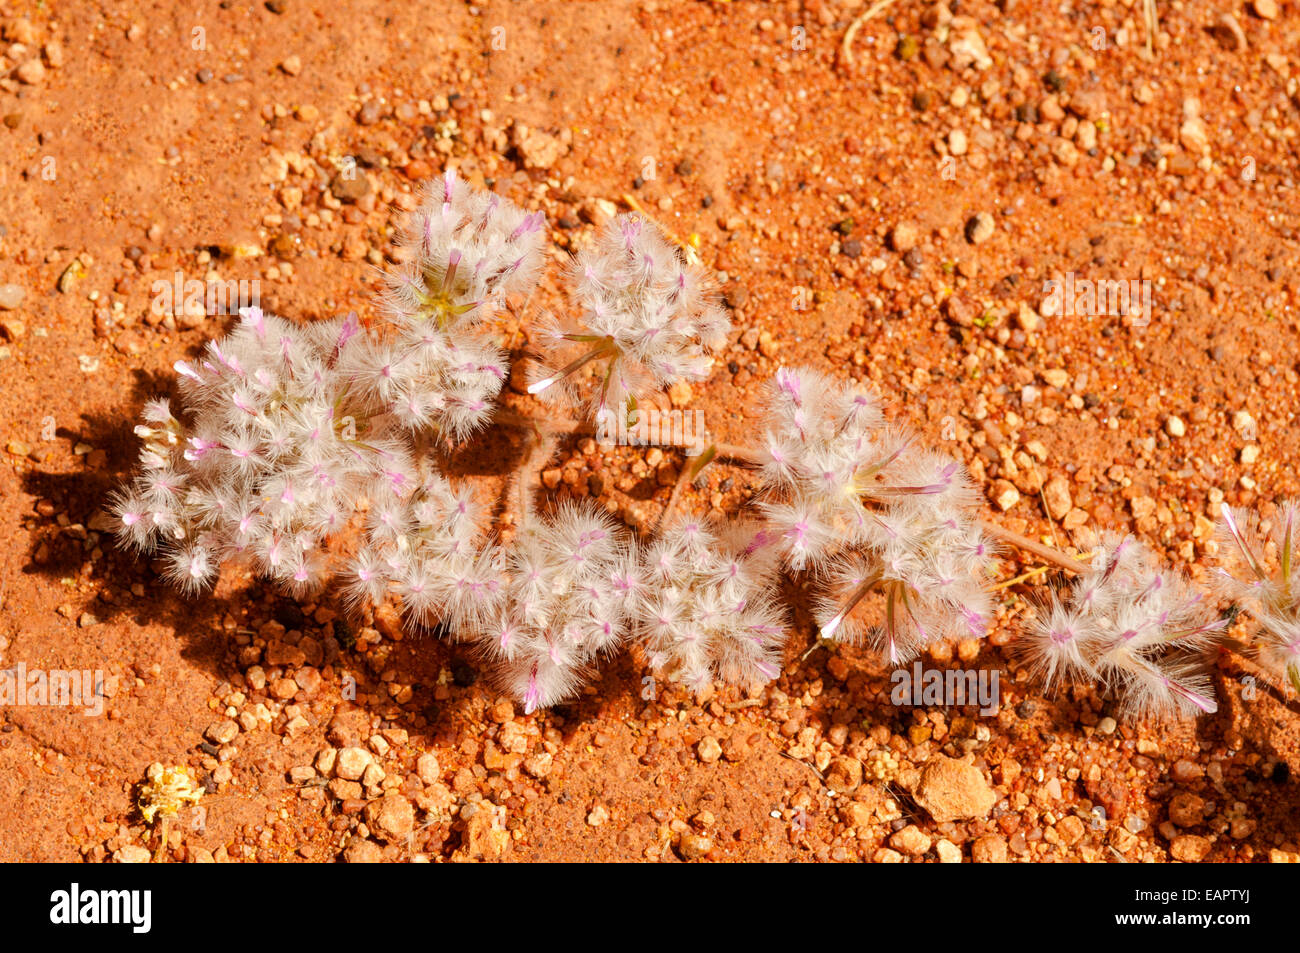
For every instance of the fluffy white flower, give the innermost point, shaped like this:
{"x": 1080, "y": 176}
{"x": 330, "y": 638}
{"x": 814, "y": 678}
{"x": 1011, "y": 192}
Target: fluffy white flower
{"x": 853, "y": 499}
{"x": 426, "y": 548}
{"x": 648, "y": 317}
{"x": 1260, "y": 568}
{"x": 707, "y": 609}
{"x": 288, "y": 427}
{"x": 928, "y": 588}
{"x": 1133, "y": 625}
{"x": 267, "y": 468}
{"x": 467, "y": 250}
{"x": 568, "y": 586}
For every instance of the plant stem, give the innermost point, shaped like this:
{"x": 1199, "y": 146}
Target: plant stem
{"x": 682, "y": 479}
{"x": 1041, "y": 550}
{"x": 741, "y": 454}
{"x": 542, "y": 447}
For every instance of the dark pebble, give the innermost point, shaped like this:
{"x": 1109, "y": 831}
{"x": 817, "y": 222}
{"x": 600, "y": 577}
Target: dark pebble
{"x": 204, "y": 75}
{"x": 463, "y": 675}
{"x": 852, "y": 248}
{"x": 290, "y": 616}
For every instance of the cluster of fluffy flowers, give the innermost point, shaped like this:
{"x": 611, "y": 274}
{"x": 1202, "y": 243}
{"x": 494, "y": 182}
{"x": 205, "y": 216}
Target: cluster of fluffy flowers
{"x": 1261, "y": 571}
{"x": 466, "y": 251}
{"x": 648, "y": 318}
{"x": 287, "y": 428}
{"x": 287, "y": 431}
{"x": 568, "y": 585}
{"x": 852, "y": 499}
{"x": 426, "y": 548}
{"x": 1131, "y": 625}
{"x": 543, "y": 611}
{"x": 708, "y": 609}
{"x": 273, "y": 461}
{"x": 574, "y": 587}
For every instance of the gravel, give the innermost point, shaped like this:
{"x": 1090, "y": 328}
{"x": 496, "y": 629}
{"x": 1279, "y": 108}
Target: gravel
{"x": 352, "y": 762}
{"x": 979, "y": 228}
{"x": 911, "y": 840}
{"x": 11, "y": 296}
{"x": 952, "y": 790}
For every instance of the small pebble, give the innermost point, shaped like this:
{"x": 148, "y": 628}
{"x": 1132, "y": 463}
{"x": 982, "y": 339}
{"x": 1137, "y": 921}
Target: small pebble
{"x": 11, "y": 296}
{"x": 903, "y": 238}
{"x": 911, "y": 840}
{"x": 222, "y": 732}
{"x": 979, "y": 228}
{"x": 32, "y": 72}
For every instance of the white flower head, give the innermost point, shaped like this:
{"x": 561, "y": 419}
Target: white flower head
{"x": 1260, "y": 568}
{"x": 856, "y": 501}
{"x": 568, "y": 584}
{"x": 708, "y": 610}
{"x": 647, "y": 319}
{"x": 1133, "y": 625}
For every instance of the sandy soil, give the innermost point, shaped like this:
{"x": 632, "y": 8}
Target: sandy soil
{"x": 150, "y": 141}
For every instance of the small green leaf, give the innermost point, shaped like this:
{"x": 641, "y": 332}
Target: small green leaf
{"x": 703, "y": 461}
